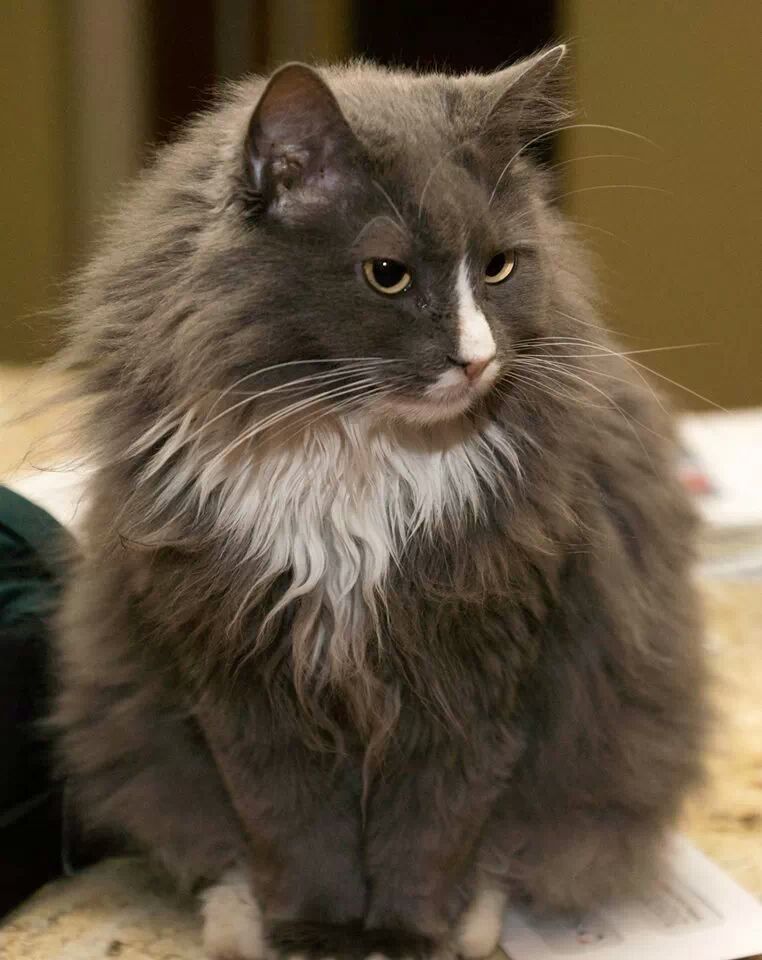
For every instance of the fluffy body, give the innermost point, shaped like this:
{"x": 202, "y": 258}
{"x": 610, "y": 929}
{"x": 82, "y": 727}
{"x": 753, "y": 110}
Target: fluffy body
{"x": 357, "y": 644}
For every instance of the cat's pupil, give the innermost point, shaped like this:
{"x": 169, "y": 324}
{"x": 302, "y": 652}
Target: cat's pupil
{"x": 388, "y": 273}
{"x": 495, "y": 265}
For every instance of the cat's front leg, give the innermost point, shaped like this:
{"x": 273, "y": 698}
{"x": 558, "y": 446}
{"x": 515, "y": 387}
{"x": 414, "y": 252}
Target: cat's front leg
{"x": 300, "y": 811}
{"x": 423, "y": 831}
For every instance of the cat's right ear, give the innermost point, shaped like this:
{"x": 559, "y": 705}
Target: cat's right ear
{"x": 299, "y": 147}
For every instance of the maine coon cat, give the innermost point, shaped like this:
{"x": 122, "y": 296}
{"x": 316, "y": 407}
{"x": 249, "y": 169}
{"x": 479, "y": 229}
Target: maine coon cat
{"x": 383, "y": 613}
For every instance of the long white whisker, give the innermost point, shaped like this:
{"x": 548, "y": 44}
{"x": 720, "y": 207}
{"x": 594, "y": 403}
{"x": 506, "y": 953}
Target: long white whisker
{"x": 164, "y": 455}
{"x": 680, "y": 386}
{"x": 611, "y": 186}
{"x": 598, "y": 229}
{"x": 294, "y": 409}
{"x": 534, "y": 383}
{"x": 567, "y": 126}
{"x": 331, "y": 408}
{"x": 283, "y": 414}
{"x": 626, "y": 354}
{"x": 602, "y": 347}
{"x": 391, "y": 202}
{"x": 594, "y": 156}
{"x": 174, "y": 417}
{"x": 311, "y": 378}
{"x": 335, "y": 409}
{"x": 601, "y": 350}
{"x": 605, "y": 352}
{"x": 440, "y": 161}
{"x": 558, "y": 368}
{"x": 293, "y": 363}
{"x": 611, "y": 376}
{"x": 597, "y": 326}
{"x": 369, "y": 224}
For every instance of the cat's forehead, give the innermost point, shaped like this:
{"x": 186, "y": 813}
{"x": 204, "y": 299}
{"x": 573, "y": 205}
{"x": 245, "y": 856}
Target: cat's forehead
{"x": 419, "y": 132}
{"x": 404, "y": 114}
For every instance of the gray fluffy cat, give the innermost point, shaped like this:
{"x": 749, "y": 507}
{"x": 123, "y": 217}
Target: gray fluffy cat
{"x": 383, "y": 614}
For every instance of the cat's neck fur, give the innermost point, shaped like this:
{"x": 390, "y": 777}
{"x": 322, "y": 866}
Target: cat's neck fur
{"x": 334, "y": 508}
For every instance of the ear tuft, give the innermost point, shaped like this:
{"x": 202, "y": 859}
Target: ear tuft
{"x": 298, "y": 139}
{"x": 533, "y": 97}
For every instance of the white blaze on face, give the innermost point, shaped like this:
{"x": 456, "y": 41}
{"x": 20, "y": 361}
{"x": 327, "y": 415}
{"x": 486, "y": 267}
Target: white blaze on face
{"x": 475, "y": 340}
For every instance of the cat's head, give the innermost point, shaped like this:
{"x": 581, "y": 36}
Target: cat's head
{"x": 355, "y": 237}
{"x": 401, "y": 227}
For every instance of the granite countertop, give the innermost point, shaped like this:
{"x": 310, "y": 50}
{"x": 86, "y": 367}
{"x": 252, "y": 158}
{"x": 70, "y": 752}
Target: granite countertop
{"x": 725, "y": 819}
{"x": 119, "y": 909}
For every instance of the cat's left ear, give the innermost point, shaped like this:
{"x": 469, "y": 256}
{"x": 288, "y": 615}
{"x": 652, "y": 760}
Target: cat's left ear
{"x": 299, "y": 146}
{"x": 530, "y": 98}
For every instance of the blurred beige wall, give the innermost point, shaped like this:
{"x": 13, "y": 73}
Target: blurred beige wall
{"x": 683, "y": 266}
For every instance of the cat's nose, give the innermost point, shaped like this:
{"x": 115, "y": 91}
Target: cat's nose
{"x": 473, "y": 367}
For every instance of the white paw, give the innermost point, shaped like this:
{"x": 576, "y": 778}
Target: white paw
{"x": 479, "y": 928}
{"x": 232, "y": 920}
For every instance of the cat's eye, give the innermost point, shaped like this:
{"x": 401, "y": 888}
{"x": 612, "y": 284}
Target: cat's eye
{"x": 500, "y": 267}
{"x": 387, "y": 276}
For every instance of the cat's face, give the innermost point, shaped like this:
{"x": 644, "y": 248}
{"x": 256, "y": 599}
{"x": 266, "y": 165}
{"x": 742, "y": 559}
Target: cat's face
{"x": 391, "y": 259}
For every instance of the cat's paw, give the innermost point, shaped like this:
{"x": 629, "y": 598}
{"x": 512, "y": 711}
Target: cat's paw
{"x": 232, "y": 920}
{"x": 479, "y": 928}
{"x": 307, "y": 940}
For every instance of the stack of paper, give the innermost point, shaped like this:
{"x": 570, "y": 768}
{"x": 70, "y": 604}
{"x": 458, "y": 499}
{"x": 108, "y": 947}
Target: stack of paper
{"x": 723, "y": 468}
{"x": 696, "y": 913}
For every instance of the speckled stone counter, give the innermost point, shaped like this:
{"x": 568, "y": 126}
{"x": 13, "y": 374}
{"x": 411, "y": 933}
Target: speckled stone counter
{"x": 725, "y": 819}
{"x": 118, "y": 909}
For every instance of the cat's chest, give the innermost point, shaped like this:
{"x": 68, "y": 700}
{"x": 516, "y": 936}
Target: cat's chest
{"x": 336, "y": 513}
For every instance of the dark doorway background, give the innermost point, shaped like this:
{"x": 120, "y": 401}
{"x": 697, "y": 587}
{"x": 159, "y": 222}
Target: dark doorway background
{"x": 448, "y": 35}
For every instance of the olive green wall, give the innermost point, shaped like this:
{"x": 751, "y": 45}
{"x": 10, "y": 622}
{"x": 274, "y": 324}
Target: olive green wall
{"x": 76, "y": 78}
{"x": 683, "y": 266}
{"x": 32, "y": 179}
{"x": 73, "y": 115}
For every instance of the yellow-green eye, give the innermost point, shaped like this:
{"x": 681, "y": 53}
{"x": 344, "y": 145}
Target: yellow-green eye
{"x": 500, "y": 267}
{"x": 387, "y": 276}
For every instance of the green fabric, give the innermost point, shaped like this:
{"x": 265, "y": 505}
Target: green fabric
{"x": 30, "y": 547}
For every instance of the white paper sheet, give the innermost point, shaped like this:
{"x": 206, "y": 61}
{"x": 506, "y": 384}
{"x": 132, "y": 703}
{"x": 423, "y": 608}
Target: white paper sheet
{"x": 697, "y": 913}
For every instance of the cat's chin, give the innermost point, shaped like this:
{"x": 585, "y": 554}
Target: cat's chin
{"x": 432, "y": 406}
{"x": 427, "y": 411}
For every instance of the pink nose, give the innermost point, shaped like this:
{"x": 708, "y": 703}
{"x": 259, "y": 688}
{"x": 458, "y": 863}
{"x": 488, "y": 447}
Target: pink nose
{"x": 473, "y": 369}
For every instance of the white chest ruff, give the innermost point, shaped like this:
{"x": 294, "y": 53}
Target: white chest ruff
{"x": 336, "y": 509}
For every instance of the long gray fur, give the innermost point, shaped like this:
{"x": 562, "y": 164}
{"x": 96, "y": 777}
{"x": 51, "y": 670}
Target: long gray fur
{"x": 379, "y": 665}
